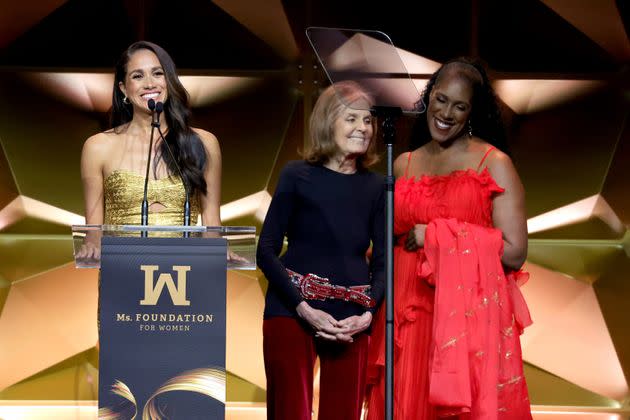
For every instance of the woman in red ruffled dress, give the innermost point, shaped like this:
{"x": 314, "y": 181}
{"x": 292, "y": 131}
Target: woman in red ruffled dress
{"x": 461, "y": 234}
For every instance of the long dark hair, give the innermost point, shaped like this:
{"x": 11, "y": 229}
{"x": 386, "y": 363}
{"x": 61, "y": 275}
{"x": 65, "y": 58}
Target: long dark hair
{"x": 485, "y": 114}
{"x": 187, "y": 148}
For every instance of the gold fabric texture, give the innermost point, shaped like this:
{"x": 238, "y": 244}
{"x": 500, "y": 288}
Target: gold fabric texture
{"x": 123, "y": 192}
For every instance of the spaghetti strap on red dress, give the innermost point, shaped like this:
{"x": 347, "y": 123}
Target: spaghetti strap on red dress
{"x": 433, "y": 377}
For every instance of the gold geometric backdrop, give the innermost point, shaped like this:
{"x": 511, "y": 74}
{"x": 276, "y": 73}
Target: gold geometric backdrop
{"x": 560, "y": 71}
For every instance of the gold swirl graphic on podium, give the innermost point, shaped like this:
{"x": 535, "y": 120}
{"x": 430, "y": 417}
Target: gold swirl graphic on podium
{"x": 206, "y": 381}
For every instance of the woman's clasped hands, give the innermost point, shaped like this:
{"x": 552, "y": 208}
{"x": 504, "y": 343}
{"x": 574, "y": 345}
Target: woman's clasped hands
{"x": 327, "y": 327}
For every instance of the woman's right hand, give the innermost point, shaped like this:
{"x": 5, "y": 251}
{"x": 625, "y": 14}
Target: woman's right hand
{"x": 415, "y": 238}
{"x": 324, "y": 324}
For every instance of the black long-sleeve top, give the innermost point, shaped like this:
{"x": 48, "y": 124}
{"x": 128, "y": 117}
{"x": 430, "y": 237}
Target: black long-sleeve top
{"x": 329, "y": 220}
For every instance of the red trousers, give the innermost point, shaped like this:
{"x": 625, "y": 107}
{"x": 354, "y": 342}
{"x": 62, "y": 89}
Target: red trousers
{"x": 290, "y": 350}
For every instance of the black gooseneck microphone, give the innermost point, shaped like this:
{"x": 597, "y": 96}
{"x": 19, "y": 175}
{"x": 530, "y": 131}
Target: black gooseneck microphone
{"x": 144, "y": 210}
{"x": 159, "y": 107}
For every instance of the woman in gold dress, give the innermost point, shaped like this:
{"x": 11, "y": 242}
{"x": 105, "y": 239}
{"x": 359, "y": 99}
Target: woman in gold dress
{"x": 113, "y": 163}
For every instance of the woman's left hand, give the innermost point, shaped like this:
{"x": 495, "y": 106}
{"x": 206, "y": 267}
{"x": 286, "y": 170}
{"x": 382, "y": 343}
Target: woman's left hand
{"x": 352, "y": 325}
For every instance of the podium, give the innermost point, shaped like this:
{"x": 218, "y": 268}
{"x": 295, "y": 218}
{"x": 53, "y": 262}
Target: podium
{"x": 162, "y": 315}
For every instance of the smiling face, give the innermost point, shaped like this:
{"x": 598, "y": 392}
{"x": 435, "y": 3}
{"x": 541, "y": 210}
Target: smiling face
{"x": 352, "y": 131}
{"x": 144, "y": 80}
{"x": 450, "y": 104}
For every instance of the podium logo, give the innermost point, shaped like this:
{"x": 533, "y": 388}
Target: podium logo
{"x": 153, "y": 289}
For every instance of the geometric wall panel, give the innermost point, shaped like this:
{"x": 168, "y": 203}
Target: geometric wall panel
{"x": 589, "y": 216}
{"x": 259, "y": 129}
{"x": 92, "y": 92}
{"x": 42, "y": 140}
{"x": 584, "y": 260}
{"x": 245, "y": 304}
{"x": 569, "y": 337}
{"x": 563, "y": 154}
{"x": 47, "y": 319}
{"x": 75, "y": 378}
{"x": 616, "y": 187}
{"x": 23, "y": 256}
{"x": 238, "y": 389}
{"x": 548, "y": 389}
{"x": 5, "y": 286}
{"x": 611, "y": 37}
{"x": 39, "y": 227}
{"x": 529, "y": 96}
{"x": 273, "y": 28}
{"x": 593, "y": 228}
{"x": 8, "y": 189}
{"x": 20, "y": 17}
{"x": 613, "y": 293}
{"x": 527, "y": 36}
{"x": 23, "y": 207}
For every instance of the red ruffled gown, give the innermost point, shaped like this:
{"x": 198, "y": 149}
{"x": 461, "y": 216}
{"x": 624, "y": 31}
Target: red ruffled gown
{"x": 463, "y": 196}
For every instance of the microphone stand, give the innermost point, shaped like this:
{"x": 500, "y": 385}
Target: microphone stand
{"x": 144, "y": 209}
{"x": 159, "y": 107}
{"x": 389, "y": 115}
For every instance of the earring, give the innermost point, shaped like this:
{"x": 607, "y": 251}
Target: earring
{"x": 126, "y": 100}
{"x": 469, "y": 129}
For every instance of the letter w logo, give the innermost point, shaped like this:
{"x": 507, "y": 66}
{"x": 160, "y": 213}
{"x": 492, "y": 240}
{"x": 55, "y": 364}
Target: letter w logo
{"x": 152, "y": 293}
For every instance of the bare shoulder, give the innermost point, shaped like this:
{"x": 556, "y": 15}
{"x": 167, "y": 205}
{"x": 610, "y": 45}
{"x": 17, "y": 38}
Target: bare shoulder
{"x": 502, "y": 169}
{"x": 499, "y": 161}
{"x": 492, "y": 156}
{"x": 400, "y": 163}
{"x": 205, "y": 136}
{"x": 97, "y": 151}
{"x": 209, "y": 140}
{"x": 99, "y": 144}
{"x": 402, "y": 159}
{"x": 98, "y": 139}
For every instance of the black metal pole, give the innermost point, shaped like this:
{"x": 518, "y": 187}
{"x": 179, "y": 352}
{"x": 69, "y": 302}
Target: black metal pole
{"x": 389, "y": 115}
{"x": 389, "y": 288}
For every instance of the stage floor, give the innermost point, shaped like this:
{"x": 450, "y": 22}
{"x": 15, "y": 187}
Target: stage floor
{"x": 87, "y": 410}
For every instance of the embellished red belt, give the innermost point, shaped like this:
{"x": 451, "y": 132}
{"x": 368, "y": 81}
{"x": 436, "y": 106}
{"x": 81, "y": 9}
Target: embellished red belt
{"x": 312, "y": 286}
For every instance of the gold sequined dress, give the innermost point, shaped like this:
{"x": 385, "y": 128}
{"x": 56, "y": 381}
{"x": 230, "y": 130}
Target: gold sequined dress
{"x": 124, "y": 190}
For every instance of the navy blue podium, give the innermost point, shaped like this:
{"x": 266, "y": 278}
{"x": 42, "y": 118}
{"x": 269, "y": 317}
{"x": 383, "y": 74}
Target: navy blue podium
{"x": 162, "y": 293}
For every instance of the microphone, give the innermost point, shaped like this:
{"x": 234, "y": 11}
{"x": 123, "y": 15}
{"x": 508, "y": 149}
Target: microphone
{"x": 144, "y": 210}
{"x": 159, "y": 107}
